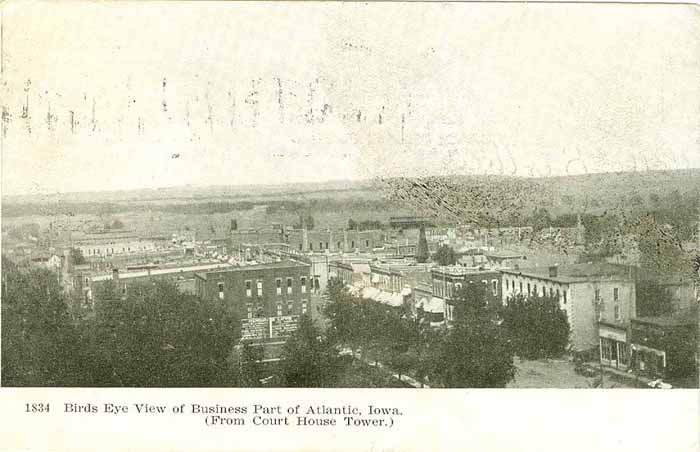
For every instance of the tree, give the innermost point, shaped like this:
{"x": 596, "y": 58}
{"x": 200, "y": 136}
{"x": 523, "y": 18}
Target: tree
{"x": 422, "y": 252}
{"x": 652, "y": 299}
{"x": 76, "y": 256}
{"x": 344, "y": 314}
{"x": 39, "y": 341}
{"x": 445, "y": 255}
{"x": 476, "y": 351}
{"x": 305, "y": 221}
{"x": 537, "y": 326}
{"x": 308, "y": 359}
{"x": 156, "y": 336}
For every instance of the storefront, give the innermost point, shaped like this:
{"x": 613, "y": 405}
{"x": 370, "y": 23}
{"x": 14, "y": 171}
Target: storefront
{"x": 614, "y": 351}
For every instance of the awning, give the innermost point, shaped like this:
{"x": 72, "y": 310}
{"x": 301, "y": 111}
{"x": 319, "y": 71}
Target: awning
{"x": 435, "y": 305}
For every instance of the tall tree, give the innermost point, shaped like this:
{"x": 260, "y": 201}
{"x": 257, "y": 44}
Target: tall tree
{"x": 445, "y": 255}
{"x": 476, "y": 351}
{"x": 422, "y": 251}
{"x": 537, "y": 326}
{"x": 308, "y": 359}
{"x": 156, "y": 336}
{"x": 39, "y": 342}
{"x": 652, "y": 299}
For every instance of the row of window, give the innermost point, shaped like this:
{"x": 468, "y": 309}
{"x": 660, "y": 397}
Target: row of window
{"x": 448, "y": 290}
{"x": 532, "y": 289}
{"x": 278, "y": 287}
{"x": 322, "y": 245}
{"x": 260, "y": 312}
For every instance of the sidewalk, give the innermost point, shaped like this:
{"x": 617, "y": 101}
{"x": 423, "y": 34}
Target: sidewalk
{"x": 629, "y": 378}
{"x": 403, "y": 378}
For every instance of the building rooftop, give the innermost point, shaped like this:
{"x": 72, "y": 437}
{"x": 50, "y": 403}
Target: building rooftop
{"x": 267, "y": 265}
{"x": 163, "y": 271}
{"x": 577, "y": 272}
{"x": 687, "y": 317}
{"x": 459, "y": 270}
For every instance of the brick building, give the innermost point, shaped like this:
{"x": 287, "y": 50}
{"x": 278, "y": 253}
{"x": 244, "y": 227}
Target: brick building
{"x": 268, "y": 290}
{"x": 447, "y": 280}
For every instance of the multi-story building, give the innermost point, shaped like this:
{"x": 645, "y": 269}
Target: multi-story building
{"x": 269, "y": 290}
{"x": 666, "y": 346}
{"x": 334, "y": 241}
{"x": 108, "y": 243}
{"x": 598, "y": 298}
{"x": 183, "y": 277}
{"x": 447, "y": 280}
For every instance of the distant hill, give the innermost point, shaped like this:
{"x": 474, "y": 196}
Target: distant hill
{"x": 592, "y": 193}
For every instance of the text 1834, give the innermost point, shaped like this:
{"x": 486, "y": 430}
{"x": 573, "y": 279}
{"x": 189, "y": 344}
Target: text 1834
{"x": 36, "y": 407}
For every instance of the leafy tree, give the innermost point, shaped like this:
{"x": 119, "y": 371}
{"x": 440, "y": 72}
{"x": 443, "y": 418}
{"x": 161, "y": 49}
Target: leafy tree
{"x": 158, "y": 336}
{"x": 445, "y": 255}
{"x": 652, "y": 299}
{"x": 305, "y": 221}
{"x": 537, "y": 326}
{"x": 39, "y": 342}
{"x": 422, "y": 252}
{"x": 308, "y": 359}
{"x": 476, "y": 351}
{"x": 344, "y": 314}
{"x": 76, "y": 256}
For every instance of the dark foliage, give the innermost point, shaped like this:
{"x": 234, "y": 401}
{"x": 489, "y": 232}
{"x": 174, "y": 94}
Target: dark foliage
{"x": 537, "y": 326}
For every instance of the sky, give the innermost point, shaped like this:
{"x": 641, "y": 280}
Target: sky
{"x": 111, "y": 96}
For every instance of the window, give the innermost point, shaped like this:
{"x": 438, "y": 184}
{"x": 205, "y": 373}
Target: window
{"x": 303, "y": 306}
{"x": 494, "y": 287}
{"x": 352, "y": 244}
{"x": 317, "y": 283}
{"x": 367, "y": 243}
{"x": 221, "y": 290}
{"x": 260, "y": 287}
{"x": 279, "y": 309}
{"x": 124, "y": 289}
{"x": 326, "y": 245}
{"x": 290, "y": 306}
{"x": 597, "y": 294}
{"x": 311, "y": 246}
{"x": 248, "y": 288}
{"x": 551, "y": 292}
{"x": 303, "y": 284}
{"x": 458, "y": 285}
{"x": 278, "y": 286}
{"x": 249, "y": 308}
{"x": 289, "y": 286}
{"x": 617, "y": 313}
{"x": 528, "y": 288}
{"x": 300, "y": 247}
{"x": 565, "y": 297}
{"x": 616, "y": 294}
{"x": 521, "y": 287}
{"x": 534, "y": 289}
{"x": 544, "y": 291}
{"x": 338, "y": 245}
{"x": 320, "y": 245}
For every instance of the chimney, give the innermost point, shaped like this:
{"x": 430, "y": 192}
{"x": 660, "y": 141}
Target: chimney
{"x": 553, "y": 271}
{"x": 115, "y": 278}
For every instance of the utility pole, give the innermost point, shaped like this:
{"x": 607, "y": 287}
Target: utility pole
{"x": 598, "y": 307}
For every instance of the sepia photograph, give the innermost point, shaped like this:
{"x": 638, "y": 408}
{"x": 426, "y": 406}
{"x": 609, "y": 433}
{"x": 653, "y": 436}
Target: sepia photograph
{"x": 350, "y": 195}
